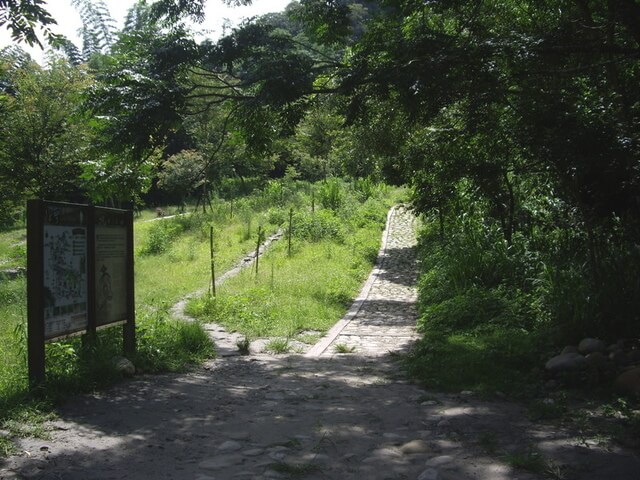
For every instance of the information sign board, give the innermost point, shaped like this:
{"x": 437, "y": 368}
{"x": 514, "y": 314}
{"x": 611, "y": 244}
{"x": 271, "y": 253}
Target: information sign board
{"x": 79, "y": 275}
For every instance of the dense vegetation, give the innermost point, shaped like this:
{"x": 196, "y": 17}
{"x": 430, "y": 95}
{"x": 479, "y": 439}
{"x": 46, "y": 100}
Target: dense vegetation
{"x": 516, "y": 123}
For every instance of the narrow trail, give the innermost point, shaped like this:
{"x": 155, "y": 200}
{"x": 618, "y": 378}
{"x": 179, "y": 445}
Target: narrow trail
{"x": 319, "y": 415}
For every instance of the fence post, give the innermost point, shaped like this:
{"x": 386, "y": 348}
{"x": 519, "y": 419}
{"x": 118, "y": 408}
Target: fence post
{"x": 213, "y": 268}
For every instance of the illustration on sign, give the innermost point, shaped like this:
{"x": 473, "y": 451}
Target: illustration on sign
{"x": 65, "y": 279}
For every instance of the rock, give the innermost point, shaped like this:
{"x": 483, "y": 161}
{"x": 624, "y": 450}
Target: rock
{"x": 614, "y": 347}
{"x": 222, "y": 461}
{"x": 429, "y": 474}
{"x": 567, "y": 361}
{"x": 254, "y": 452}
{"x": 230, "y": 446}
{"x": 124, "y": 366}
{"x": 384, "y": 454}
{"x": 415, "y": 446}
{"x": 597, "y": 360}
{"x": 619, "y": 358}
{"x": 569, "y": 349}
{"x": 633, "y": 356}
{"x": 590, "y": 345}
{"x": 439, "y": 461}
{"x": 443, "y": 423}
{"x": 12, "y": 273}
{"x": 629, "y": 382}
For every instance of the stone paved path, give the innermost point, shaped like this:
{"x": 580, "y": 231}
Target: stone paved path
{"x": 382, "y": 320}
{"x": 316, "y": 416}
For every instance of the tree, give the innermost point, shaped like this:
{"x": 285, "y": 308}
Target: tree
{"x": 46, "y": 136}
{"x": 22, "y": 17}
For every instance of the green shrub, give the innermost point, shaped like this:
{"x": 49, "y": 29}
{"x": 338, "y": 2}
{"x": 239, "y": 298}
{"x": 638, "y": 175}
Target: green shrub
{"x": 277, "y": 216}
{"x": 471, "y": 309}
{"x": 170, "y": 345}
{"x": 332, "y": 194}
{"x": 160, "y": 236}
{"x": 324, "y": 224}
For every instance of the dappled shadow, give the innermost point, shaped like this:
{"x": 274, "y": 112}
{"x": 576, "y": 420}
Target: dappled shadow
{"x": 328, "y": 418}
{"x": 398, "y": 266}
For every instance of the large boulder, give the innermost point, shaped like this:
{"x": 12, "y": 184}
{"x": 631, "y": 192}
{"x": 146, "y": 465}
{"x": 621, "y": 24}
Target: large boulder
{"x": 569, "y": 349}
{"x": 629, "y": 382}
{"x": 590, "y": 345}
{"x": 567, "y": 362}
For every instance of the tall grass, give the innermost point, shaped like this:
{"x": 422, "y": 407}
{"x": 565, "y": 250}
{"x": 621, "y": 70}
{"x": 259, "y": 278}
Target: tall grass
{"x": 333, "y": 251}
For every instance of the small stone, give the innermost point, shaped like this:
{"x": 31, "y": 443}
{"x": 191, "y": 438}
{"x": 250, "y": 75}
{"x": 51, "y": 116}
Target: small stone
{"x": 222, "y": 461}
{"x": 567, "y": 361}
{"x": 386, "y": 453}
{"x": 549, "y": 401}
{"x": 415, "y": 446}
{"x": 124, "y": 366}
{"x": 443, "y": 423}
{"x": 278, "y": 456}
{"x": 254, "y": 452}
{"x": 429, "y": 403}
{"x": 590, "y": 345}
{"x": 429, "y": 474}
{"x": 466, "y": 393}
{"x": 392, "y": 436}
{"x": 230, "y": 446}
{"x": 439, "y": 461}
{"x": 238, "y": 436}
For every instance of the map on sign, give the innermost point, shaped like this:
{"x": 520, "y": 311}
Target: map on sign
{"x": 65, "y": 279}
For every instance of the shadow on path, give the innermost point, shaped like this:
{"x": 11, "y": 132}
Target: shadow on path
{"x": 255, "y": 417}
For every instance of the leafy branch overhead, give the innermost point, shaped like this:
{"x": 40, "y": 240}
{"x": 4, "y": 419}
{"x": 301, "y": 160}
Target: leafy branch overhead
{"x": 23, "y": 17}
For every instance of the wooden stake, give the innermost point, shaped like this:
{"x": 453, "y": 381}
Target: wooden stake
{"x": 213, "y": 268}
{"x": 258, "y": 248}
{"x": 290, "y": 230}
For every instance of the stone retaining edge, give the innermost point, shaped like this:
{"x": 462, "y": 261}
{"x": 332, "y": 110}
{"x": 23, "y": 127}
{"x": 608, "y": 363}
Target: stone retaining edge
{"x": 319, "y": 348}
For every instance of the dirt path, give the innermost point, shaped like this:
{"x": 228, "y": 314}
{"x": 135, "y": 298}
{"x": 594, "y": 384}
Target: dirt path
{"x": 320, "y": 415}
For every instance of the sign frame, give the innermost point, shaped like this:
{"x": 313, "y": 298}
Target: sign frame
{"x": 41, "y": 302}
